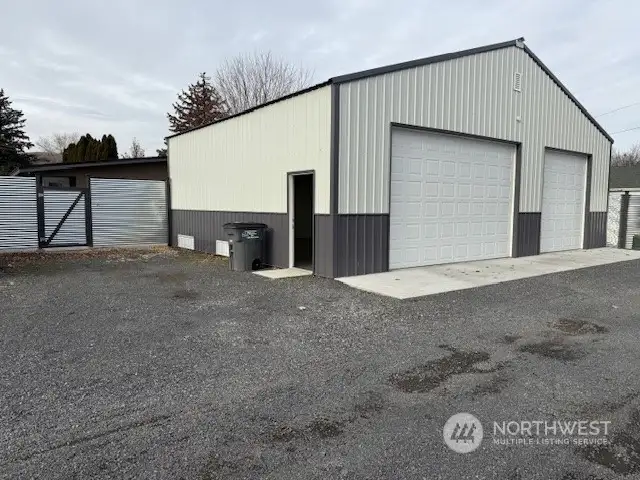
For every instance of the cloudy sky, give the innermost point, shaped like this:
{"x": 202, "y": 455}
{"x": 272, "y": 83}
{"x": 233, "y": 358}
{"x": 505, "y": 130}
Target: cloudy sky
{"x": 115, "y": 66}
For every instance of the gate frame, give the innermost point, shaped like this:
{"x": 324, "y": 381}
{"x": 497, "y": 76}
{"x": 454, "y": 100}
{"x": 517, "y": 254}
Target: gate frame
{"x": 43, "y": 241}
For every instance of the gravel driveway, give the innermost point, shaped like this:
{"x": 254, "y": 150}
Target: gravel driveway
{"x": 166, "y": 365}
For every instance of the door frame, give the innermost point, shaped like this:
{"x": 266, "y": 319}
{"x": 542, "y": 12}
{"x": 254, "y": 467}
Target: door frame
{"x": 290, "y": 212}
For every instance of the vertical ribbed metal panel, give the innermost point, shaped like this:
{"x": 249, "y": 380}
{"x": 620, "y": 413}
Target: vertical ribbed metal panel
{"x": 128, "y": 212}
{"x": 206, "y": 227}
{"x": 323, "y": 246}
{"x": 472, "y": 95}
{"x": 74, "y": 227}
{"x": 18, "y": 213}
{"x": 362, "y": 244}
{"x": 633, "y": 218}
{"x": 613, "y": 219}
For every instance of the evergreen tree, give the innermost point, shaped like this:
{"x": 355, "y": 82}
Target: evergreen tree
{"x": 89, "y": 149}
{"x": 112, "y": 152}
{"x": 13, "y": 140}
{"x": 199, "y": 105}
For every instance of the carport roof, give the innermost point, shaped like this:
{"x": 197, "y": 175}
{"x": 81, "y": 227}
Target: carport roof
{"x": 625, "y": 177}
{"x": 519, "y": 42}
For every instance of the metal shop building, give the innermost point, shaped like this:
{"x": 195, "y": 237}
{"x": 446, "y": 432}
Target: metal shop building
{"x": 466, "y": 156}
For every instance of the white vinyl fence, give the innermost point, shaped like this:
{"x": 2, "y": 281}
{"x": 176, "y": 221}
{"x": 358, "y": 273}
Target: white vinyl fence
{"x": 18, "y": 213}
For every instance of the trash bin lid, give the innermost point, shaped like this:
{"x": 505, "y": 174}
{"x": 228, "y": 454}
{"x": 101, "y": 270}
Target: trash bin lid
{"x": 240, "y": 225}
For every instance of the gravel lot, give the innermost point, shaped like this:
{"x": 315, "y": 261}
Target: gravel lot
{"x": 136, "y": 364}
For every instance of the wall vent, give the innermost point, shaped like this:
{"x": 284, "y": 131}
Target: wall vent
{"x": 222, "y": 248}
{"x": 186, "y": 241}
{"x": 517, "y": 81}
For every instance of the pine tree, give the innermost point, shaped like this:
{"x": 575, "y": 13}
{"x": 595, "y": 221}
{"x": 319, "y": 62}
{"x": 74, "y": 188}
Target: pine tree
{"x": 13, "y": 140}
{"x": 112, "y": 152}
{"x": 199, "y": 105}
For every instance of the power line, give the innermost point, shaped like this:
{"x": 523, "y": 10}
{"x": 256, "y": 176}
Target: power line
{"x": 617, "y": 109}
{"x": 627, "y": 130}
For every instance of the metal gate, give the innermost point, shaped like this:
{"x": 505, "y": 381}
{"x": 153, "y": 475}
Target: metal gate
{"x": 128, "y": 212}
{"x": 64, "y": 217}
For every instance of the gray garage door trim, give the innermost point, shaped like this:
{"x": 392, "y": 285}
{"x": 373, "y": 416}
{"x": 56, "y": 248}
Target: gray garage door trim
{"x": 503, "y": 206}
{"x": 559, "y": 230}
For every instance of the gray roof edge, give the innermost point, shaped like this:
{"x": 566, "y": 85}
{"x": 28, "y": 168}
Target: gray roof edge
{"x": 555, "y": 79}
{"x": 253, "y": 109}
{"x": 72, "y": 165}
{"x": 349, "y": 77}
{"x": 518, "y": 43}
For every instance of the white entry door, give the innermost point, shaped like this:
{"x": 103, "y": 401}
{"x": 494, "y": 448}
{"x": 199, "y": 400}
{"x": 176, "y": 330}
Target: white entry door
{"x": 451, "y": 199}
{"x": 563, "y": 199}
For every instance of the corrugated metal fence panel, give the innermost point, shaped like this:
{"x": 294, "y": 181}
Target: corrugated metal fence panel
{"x": 18, "y": 213}
{"x": 613, "y": 221}
{"x": 73, "y": 229}
{"x": 472, "y": 95}
{"x": 128, "y": 212}
{"x": 633, "y": 218}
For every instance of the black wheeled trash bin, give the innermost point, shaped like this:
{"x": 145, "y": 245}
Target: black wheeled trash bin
{"x": 247, "y": 245}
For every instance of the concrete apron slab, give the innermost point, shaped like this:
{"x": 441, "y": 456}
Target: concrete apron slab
{"x": 422, "y": 281}
{"x": 283, "y": 273}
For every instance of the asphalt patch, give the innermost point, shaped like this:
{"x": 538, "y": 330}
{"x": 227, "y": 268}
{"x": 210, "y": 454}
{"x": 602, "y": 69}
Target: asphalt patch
{"x": 553, "y": 348}
{"x": 434, "y": 373}
{"x": 622, "y": 454}
{"x": 572, "y": 326}
{"x": 185, "y": 294}
{"x": 318, "y": 428}
{"x": 493, "y": 386}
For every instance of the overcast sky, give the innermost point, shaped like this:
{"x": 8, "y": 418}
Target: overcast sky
{"x": 116, "y": 66}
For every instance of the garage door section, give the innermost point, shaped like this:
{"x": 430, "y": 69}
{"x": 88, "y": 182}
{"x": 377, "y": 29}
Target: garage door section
{"x": 451, "y": 199}
{"x": 563, "y": 196}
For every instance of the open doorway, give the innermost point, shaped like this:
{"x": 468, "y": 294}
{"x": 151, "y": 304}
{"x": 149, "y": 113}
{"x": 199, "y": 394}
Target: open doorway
{"x": 301, "y": 220}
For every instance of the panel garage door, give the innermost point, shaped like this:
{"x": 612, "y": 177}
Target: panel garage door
{"x": 563, "y": 195}
{"x": 451, "y": 199}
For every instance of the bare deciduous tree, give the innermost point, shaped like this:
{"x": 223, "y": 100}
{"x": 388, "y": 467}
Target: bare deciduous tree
{"x": 135, "y": 150}
{"x": 248, "y": 80}
{"x": 56, "y": 143}
{"x": 630, "y": 157}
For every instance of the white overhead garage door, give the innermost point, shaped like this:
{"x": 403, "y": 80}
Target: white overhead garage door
{"x": 451, "y": 199}
{"x": 563, "y": 196}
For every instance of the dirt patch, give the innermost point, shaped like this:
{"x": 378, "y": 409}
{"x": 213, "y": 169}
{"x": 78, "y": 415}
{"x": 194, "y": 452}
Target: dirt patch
{"x": 492, "y": 386}
{"x": 318, "y": 428}
{"x": 217, "y": 468}
{"x": 185, "y": 294}
{"x": 579, "y": 476}
{"x": 168, "y": 277}
{"x": 572, "y": 326}
{"x": 511, "y": 339}
{"x": 432, "y": 374}
{"x": 371, "y": 403}
{"x": 553, "y": 348}
{"x": 325, "y": 428}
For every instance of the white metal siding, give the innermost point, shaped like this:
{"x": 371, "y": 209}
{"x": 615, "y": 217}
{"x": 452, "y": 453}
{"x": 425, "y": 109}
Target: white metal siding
{"x": 128, "y": 212}
{"x": 451, "y": 199}
{"x": 18, "y": 213}
{"x": 472, "y": 95}
{"x": 563, "y": 194}
{"x": 633, "y": 218}
{"x": 241, "y": 164}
